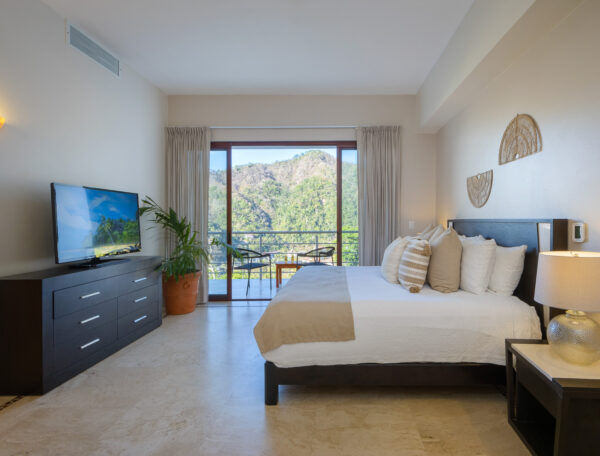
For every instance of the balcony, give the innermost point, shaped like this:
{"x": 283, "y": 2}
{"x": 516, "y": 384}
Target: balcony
{"x": 281, "y": 245}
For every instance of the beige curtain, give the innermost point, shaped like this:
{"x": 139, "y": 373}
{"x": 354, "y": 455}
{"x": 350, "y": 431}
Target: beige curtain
{"x": 379, "y": 168}
{"x": 188, "y": 153}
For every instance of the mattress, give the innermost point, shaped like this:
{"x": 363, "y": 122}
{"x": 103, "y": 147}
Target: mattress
{"x": 392, "y": 325}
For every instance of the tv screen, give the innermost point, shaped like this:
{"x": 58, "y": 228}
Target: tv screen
{"x": 93, "y": 223}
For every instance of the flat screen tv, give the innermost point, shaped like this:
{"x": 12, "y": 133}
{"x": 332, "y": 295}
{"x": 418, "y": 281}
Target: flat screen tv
{"x": 93, "y": 223}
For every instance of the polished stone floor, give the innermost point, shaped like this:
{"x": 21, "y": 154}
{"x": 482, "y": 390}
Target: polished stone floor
{"x": 194, "y": 387}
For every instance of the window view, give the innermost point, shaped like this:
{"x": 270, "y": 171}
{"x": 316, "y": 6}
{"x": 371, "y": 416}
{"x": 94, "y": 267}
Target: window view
{"x": 284, "y": 203}
{"x": 349, "y": 238}
{"x": 217, "y": 221}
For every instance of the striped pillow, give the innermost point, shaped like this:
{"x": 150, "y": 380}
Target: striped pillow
{"x": 413, "y": 265}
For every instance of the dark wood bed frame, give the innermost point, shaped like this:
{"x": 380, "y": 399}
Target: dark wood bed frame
{"x": 507, "y": 233}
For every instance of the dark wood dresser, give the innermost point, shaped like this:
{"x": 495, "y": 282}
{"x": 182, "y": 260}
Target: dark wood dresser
{"x": 56, "y": 323}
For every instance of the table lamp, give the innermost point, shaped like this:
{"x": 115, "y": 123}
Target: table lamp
{"x": 571, "y": 281}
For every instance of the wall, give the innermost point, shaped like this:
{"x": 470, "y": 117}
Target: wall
{"x": 557, "y": 82}
{"x": 325, "y": 114}
{"x": 68, "y": 120}
{"x": 479, "y": 32}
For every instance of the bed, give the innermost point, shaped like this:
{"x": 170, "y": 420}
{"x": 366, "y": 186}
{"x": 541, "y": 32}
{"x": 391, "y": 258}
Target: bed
{"x": 426, "y": 339}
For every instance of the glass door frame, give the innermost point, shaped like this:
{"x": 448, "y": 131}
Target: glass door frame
{"x": 227, "y": 146}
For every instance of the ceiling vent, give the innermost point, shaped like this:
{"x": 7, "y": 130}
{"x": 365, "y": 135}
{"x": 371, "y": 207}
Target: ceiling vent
{"x": 89, "y": 47}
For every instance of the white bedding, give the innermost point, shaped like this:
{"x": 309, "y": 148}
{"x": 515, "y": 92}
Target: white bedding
{"x": 394, "y": 326}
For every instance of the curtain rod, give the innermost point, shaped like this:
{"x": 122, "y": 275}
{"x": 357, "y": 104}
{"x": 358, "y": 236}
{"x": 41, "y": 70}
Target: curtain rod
{"x": 285, "y": 128}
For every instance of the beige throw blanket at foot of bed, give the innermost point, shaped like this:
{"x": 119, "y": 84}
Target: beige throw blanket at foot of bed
{"x": 314, "y": 306}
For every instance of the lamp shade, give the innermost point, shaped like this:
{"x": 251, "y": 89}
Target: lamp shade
{"x": 569, "y": 280}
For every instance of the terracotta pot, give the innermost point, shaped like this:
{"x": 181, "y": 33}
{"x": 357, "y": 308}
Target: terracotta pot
{"x": 181, "y": 295}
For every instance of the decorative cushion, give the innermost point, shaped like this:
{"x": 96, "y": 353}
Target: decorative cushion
{"x": 413, "y": 265}
{"x": 436, "y": 233}
{"x": 391, "y": 259}
{"x": 444, "y": 265}
{"x": 426, "y": 230}
{"x": 464, "y": 238}
{"x": 477, "y": 265}
{"x": 508, "y": 268}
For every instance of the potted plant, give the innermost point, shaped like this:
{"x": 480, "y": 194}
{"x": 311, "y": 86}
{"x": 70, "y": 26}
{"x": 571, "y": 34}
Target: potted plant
{"x": 180, "y": 273}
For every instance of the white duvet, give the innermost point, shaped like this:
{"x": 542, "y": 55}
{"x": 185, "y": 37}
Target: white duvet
{"x": 394, "y": 326}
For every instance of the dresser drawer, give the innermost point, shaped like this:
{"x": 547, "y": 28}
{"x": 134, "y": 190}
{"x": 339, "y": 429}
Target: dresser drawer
{"x": 137, "y": 280}
{"x": 137, "y": 300}
{"x": 69, "y": 300}
{"x": 138, "y": 318}
{"x": 83, "y": 345}
{"x": 77, "y": 323}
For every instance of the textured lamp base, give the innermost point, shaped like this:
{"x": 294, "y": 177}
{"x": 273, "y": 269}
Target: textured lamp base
{"x": 575, "y": 337}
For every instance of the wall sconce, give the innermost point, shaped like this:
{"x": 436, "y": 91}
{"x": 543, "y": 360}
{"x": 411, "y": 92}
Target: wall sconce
{"x": 2, "y": 121}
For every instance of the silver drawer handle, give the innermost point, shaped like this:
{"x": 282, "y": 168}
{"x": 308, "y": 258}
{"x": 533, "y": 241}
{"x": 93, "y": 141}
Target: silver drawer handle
{"x": 95, "y": 293}
{"x": 89, "y": 343}
{"x": 87, "y": 320}
{"x": 141, "y": 279}
{"x": 137, "y": 320}
{"x": 143, "y": 298}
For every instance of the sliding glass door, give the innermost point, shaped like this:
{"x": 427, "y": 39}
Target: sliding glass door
{"x": 280, "y": 200}
{"x": 348, "y": 206}
{"x": 219, "y": 214}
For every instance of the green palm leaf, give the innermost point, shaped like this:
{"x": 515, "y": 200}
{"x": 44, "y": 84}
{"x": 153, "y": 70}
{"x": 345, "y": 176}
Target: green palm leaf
{"x": 188, "y": 252}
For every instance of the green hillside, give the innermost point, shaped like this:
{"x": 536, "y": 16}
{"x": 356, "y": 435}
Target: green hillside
{"x": 298, "y": 194}
{"x": 291, "y": 195}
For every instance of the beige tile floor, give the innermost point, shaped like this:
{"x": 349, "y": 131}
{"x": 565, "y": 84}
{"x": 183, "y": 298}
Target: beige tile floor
{"x": 194, "y": 387}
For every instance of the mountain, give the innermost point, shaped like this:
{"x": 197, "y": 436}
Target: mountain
{"x": 298, "y": 194}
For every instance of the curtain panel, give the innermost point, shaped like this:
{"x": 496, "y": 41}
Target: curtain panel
{"x": 188, "y": 153}
{"x": 379, "y": 170}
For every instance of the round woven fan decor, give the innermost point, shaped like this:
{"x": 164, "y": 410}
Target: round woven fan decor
{"x": 521, "y": 138}
{"x": 479, "y": 188}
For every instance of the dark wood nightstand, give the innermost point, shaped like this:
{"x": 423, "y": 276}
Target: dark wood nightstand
{"x": 553, "y": 406}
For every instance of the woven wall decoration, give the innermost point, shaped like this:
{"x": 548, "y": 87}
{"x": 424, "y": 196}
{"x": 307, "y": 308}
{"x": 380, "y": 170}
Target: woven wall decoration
{"x": 521, "y": 138}
{"x": 479, "y": 188}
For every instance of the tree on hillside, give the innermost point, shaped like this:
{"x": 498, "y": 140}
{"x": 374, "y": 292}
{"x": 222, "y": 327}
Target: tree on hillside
{"x": 298, "y": 194}
{"x": 310, "y": 206}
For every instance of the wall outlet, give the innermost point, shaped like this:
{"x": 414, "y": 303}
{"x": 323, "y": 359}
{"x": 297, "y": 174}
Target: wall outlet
{"x": 578, "y": 232}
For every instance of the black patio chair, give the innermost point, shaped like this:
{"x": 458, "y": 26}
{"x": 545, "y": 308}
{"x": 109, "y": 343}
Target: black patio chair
{"x": 316, "y": 255}
{"x": 251, "y": 260}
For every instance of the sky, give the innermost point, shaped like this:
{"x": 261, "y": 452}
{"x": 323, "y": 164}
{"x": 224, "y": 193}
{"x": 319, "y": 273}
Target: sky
{"x": 266, "y": 155}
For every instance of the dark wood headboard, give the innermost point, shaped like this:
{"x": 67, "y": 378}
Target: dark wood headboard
{"x": 510, "y": 233}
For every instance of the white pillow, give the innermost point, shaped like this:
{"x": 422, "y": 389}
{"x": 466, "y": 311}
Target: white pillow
{"x": 464, "y": 238}
{"x": 391, "y": 259}
{"x": 507, "y": 269}
{"x": 477, "y": 265}
{"x": 437, "y": 233}
{"x": 429, "y": 234}
{"x": 427, "y": 229}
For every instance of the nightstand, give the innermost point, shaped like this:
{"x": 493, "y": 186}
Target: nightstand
{"x": 553, "y": 406}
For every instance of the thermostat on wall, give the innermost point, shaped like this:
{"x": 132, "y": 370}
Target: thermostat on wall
{"x": 578, "y": 233}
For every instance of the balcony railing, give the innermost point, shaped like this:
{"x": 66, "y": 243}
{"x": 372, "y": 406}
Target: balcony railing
{"x": 281, "y": 244}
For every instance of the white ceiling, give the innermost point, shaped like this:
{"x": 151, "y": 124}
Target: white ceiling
{"x": 273, "y": 46}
